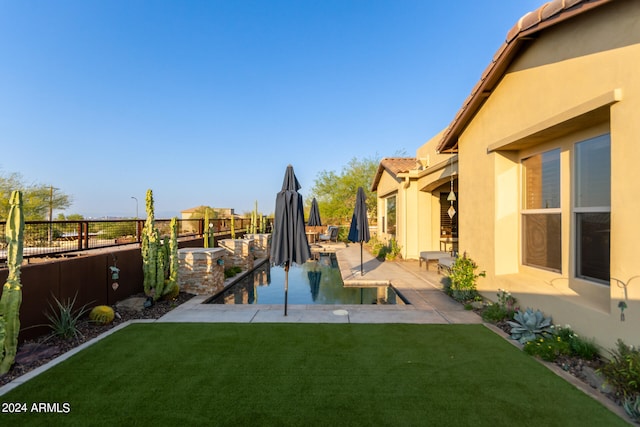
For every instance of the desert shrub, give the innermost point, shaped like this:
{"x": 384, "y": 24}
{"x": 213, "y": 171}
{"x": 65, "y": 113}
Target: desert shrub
{"x": 232, "y": 271}
{"x": 494, "y": 313}
{"x": 384, "y": 251}
{"x": 463, "y": 278}
{"x": 547, "y": 348}
{"x": 64, "y": 318}
{"x": 580, "y": 347}
{"x": 503, "y": 309}
{"x": 622, "y": 371}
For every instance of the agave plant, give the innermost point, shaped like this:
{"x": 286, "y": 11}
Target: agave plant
{"x": 632, "y": 407}
{"x": 529, "y": 325}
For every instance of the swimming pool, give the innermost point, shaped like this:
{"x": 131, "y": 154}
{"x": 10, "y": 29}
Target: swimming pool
{"x": 316, "y": 282}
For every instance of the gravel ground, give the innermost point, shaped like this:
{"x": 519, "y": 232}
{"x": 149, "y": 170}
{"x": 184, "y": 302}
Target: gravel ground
{"x": 34, "y": 353}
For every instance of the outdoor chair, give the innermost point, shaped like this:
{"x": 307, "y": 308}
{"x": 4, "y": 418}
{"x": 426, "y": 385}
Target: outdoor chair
{"x": 331, "y": 236}
{"x": 431, "y": 256}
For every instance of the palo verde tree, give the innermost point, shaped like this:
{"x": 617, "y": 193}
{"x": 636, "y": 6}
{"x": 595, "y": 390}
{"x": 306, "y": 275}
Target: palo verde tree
{"x": 336, "y": 193}
{"x": 39, "y": 201}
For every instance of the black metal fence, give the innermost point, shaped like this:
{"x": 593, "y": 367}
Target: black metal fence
{"x": 53, "y": 238}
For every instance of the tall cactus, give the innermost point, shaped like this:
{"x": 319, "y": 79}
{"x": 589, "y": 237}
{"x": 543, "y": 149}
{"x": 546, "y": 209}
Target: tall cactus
{"x": 254, "y": 219}
{"x": 12, "y": 290}
{"x": 206, "y": 232}
{"x": 233, "y": 226}
{"x": 173, "y": 257}
{"x": 150, "y": 247}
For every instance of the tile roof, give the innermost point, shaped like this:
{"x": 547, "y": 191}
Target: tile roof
{"x": 394, "y": 165}
{"x": 549, "y": 14}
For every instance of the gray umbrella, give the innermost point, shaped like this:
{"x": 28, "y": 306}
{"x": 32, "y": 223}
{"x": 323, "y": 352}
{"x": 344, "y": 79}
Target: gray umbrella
{"x": 314, "y": 214}
{"x": 359, "y": 229}
{"x": 289, "y": 241}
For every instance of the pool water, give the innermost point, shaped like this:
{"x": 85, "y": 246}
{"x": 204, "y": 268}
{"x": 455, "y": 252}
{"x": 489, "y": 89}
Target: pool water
{"x": 315, "y": 282}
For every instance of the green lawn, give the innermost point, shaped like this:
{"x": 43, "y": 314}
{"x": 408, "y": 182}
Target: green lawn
{"x": 305, "y": 374}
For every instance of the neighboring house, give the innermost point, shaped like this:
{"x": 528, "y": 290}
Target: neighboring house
{"x": 548, "y": 148}
{"x": 413, "y": 205}
{"x": 198, "y": 212}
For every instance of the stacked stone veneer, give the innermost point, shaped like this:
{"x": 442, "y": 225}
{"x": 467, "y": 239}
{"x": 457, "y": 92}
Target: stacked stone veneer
{"x": 238, "y": 252}
{"x": 261, "y": 244}
{"x": 200, "y": 273}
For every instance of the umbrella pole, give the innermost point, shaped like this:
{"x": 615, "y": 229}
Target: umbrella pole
{"x": 286, "y": 286}
{"x": 361, "y": 267}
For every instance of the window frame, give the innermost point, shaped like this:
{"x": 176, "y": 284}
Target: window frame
{"x": 576, "y": 211}
{"x": 524, "y": 211}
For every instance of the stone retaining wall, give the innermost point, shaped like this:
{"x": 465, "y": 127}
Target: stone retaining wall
{"x": 261, "y": 244}
{"x": 238, "y": 252}
{"x": 200, "y": 271}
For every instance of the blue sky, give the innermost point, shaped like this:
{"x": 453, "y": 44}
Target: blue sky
{"x": 207, "y": 102}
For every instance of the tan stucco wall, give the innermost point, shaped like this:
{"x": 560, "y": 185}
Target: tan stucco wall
{"x": 417, "y": 200}
{"x": 567, "y": 67}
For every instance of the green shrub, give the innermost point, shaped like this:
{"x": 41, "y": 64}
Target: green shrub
{"x": 584, "y": 349}
{"x": 64, "y": 319}
{"x": 494, "y": 313}
{"x": 504, "y": 309}
{"x": 529, "y": 325}
{"x": 547, "y": 348}
{"x": 462, "y": 286}
{"x": 232, "y": 271}
{"x": 622, "y": 371}
{"x": 384, "y": 251}
{"x": 393, "y": 250}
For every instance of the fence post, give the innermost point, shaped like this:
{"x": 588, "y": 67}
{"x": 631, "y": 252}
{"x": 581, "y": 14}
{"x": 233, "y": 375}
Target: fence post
{"x": 85, "y": 234}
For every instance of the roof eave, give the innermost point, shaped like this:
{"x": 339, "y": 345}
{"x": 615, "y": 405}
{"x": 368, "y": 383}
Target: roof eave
{"x": 523, "y": 33}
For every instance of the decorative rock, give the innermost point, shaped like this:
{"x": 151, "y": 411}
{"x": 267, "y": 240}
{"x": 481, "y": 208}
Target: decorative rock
{"x": 135, "y": 304}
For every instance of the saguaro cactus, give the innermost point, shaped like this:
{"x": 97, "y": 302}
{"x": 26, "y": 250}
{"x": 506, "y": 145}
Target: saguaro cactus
{"x": 12, "y": 290}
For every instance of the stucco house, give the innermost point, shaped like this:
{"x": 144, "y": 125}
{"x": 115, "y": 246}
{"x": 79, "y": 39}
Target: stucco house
{"x": 547, "y": 147}
{"x": 414, "y": 200}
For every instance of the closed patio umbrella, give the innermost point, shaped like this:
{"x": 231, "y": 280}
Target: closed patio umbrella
{"x": 359, "y": 229}
{"x": 289, "y": 242}
{"x": 314, "y": 214}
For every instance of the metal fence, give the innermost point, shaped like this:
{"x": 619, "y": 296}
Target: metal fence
{"x": 52, "y": 238}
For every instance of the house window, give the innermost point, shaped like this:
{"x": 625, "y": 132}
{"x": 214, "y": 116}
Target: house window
{"x": 541, "y": 217}
{"x": 593, "y": 208}
{"x": 391, "y": 215}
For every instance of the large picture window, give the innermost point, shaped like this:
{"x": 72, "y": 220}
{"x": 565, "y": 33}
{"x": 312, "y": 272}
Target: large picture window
{"x": 541, "y": 217}
{"x": 593, "y": 208}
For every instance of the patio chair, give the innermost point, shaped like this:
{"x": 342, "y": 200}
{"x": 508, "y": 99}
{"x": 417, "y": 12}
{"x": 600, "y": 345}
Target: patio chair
{"x": 431, "y": 256}
{"x": 331, "y": 236}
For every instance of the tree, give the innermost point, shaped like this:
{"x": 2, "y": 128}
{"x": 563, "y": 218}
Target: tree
{"x": 336, "y": 193}
{"x": 39, "y": 201}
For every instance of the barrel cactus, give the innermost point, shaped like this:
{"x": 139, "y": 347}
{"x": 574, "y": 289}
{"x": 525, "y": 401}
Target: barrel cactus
{"x": 102, "y": 314}
{"x": 172, "y": 291}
